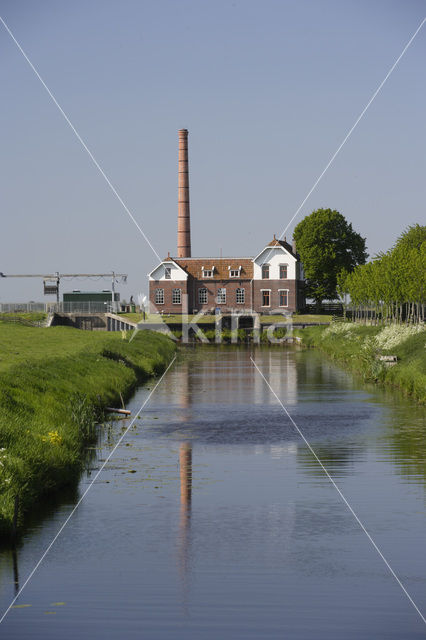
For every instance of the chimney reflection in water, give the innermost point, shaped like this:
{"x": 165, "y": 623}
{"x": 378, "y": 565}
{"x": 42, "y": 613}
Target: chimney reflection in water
{"x": 185, "y": 468}
{"x": 184, "y": 543}
{"x": 185, "y": 464}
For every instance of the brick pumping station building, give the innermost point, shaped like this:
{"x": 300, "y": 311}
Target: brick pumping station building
{"x": 271, "y": 282}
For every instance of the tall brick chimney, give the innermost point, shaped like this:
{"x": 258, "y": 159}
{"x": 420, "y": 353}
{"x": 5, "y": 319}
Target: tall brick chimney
{"x": 184, "y": 226}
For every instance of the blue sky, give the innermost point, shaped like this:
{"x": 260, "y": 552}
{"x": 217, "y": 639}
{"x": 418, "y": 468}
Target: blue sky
{"x": 267, "y": 90}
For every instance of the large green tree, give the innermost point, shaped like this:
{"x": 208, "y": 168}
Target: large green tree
{"x": 327, "y": 244}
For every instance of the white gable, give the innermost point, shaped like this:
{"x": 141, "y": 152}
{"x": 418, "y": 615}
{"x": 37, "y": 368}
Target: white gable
{"x": 274, "y": 257}
{"x": 176, "y": 272}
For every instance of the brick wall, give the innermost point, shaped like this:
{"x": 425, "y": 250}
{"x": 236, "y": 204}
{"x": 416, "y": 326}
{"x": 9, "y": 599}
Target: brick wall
{"x": 253, "y": 295}
{"x": 168, "y": 286}
{"x": 274, "y": 286}
{"x": 212, "y": 287}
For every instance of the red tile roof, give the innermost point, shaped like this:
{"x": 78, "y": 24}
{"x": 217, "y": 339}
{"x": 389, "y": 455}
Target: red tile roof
{"x": 193, "y": 266}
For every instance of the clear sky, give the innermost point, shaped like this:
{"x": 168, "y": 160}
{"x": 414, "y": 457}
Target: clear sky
{"x": 267, "y": 90}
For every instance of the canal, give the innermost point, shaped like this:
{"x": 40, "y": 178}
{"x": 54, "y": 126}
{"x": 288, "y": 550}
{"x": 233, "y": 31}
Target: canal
{"x": 214, "y": 521}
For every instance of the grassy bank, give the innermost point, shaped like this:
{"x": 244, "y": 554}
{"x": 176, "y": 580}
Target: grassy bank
{"x": 54, "y": 384}
{"x": 208, "y": 319}
{"x": 359, "y": 347}
{"x": 34, "y": 318}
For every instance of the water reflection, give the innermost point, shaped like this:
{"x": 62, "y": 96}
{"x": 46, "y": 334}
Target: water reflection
{"x": 15, "y": 569}
{"x": 339, "y": 459}
{"x": 405, "y": 440}
{"x": 207, "y": 397}
{"x": 227, "y": 376}
{"x": 9, "y": 568}
{"x": 184, "y": 541}
{"x": 281, "y": 373}
{"x": 250, "y": 543}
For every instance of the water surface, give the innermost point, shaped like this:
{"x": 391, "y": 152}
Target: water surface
{"x": 214, "y": 521}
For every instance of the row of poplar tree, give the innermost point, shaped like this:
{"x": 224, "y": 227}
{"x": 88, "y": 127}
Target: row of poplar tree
{"x": 392, "y": 286}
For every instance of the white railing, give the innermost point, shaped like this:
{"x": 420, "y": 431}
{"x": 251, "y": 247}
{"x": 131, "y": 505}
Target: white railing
{"x": 59, "y": 307}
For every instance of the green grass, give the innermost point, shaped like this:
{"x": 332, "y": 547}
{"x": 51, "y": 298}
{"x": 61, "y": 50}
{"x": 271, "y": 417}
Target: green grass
{"x": 54, "y": 384}
{"x": 302, "y": 318}
{"x": 357, "y": 351}
{"x": 410, "y": 374}
{"x": 264, "y": 319}
{"x": 32, "y": 317}
{"x": 154, "y": 318}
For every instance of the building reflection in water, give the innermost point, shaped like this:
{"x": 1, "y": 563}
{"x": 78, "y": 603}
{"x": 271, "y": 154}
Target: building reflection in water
{"x": 279, "y": 367}
{"x": 185, "y": 470}
{"x": 228, "y": 381}
{"x": 184, "y": 542}
{"x": 231, "y": 378}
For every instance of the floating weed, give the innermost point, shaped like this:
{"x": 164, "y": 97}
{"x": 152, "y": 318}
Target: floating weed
{"x": 21, "y": 606}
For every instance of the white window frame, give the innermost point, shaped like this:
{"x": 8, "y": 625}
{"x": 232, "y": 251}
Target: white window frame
{"x": 159, "y": 293}
{"x": 167, "y": 273}
{"x": 280, "y": 291}
{"x": 221, "y": 292}
{"x": 268, "y": 266}
{"x": 203, "y": 293}
{"x": 176, "y": 292}
{"x": 234, "y": 272}
{"x": 242, "y": 295}
{"x": 208, "y": 273}
{"x": 262, "y": 291}
{"x": 286, "y": 271}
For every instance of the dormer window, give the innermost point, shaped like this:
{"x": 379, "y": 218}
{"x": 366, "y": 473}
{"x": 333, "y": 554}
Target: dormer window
{"x": 207, "y": 273}
{"x": 167, "y": 273}
{"x": 234, "y": 272}
{"x": 265, "y": 271}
